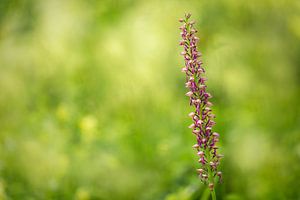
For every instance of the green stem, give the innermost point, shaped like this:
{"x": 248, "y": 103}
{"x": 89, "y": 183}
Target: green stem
{"x": 211, "y": 180}
{"x": 213, "y": 194}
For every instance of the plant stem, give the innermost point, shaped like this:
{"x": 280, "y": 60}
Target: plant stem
{"x": 205, "y": 194}
{"x": 213, "y": 194}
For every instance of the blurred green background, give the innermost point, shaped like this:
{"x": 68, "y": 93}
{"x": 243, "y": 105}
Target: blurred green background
{"x": 92, "y": 102}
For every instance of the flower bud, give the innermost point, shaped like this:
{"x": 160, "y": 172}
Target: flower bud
{"x": 188, "y": 84}
{"x": 208, "y": 95}
{"x": 189, "y": 94}
{"x": 183, "y": 28}
{"x": 211, "y": 186}
{"x": 207, "y": 109}
{"x": 192, "y": 126}
{"x": 200, "y": 153}
{"x": 211, "y": 115}
{"x": 192, "y": 22}
{"x": 211, "y": 123}
{"x": 191, "y": 114}
{"x": 201, "y": 160}
{"x": 203, "y": 79}
{"x": 199, "y": 122}
{"x": 209, "y": 104}
{"x": 182, "y": 42}
{"x": 215, "y": 134}
{"x": 200, "y": 70}
{"x": 187, "y": 15}
{"x": 202, "y": 86}
{"x": 198, "y": 101}
{"x": 204, "y": 176}
{"x": 208, "y": 128}
{"x": 220, "y": 156}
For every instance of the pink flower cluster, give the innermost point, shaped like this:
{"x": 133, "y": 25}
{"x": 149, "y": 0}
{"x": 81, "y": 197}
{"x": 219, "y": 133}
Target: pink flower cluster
{"x": 203, "y": 118}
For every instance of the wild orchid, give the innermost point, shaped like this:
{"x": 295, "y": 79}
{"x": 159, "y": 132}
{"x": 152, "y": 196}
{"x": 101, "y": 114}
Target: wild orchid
{"x": 202, "y": 117}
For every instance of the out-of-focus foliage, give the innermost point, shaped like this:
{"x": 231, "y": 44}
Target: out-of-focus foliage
{"x": 92, "y": 101}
